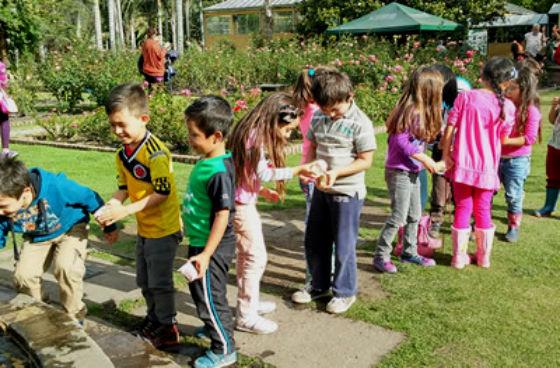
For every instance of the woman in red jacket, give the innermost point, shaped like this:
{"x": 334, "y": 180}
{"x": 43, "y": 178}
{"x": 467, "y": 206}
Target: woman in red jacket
{"x": 154, "y": 58}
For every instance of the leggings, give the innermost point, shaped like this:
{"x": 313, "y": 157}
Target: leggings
{"x": 5, "y": 131}
{"x": 469, "y": 199}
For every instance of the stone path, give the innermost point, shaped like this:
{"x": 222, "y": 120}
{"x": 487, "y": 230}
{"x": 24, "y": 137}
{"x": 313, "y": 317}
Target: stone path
{"x": 307, "y": 337}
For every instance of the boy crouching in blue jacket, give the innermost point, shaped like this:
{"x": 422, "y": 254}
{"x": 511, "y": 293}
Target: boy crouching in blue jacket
{"x": 52, "y": 213}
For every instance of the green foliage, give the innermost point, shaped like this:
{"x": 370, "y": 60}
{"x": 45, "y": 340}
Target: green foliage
{"x": 81, "y": 69}
{"x": 20, "y": 23}
{"x": 318, "y": 15}
{"x": 167, "y": 120}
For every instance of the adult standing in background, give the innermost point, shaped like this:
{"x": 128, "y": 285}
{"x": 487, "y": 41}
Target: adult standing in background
{"x": 534, "y": 43}
{"x": 154, "y": 58}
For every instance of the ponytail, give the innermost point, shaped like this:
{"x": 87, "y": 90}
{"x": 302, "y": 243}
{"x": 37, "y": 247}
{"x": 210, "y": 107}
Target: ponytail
{"x": 501, "y": 98}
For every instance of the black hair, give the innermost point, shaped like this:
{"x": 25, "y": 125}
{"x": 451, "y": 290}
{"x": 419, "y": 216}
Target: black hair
{"x": 330, "y": 87}
{"x": 127, "y": 96}
{"x": 210, "y": 114}
{"x": 14, "y": 177}
{"x": 450, "y": 89}
{"x": 496, "y": 71}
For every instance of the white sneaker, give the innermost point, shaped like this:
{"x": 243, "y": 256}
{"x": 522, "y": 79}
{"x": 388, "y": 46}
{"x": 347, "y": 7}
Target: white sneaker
{"x": 306, "y": 295}
{"x": 259, "y": 326}
{"x": 266, "y": 307}
{"x": 340, "y": 305}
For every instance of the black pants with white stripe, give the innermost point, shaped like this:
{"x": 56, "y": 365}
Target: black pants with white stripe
{"x": 209, "y": 296}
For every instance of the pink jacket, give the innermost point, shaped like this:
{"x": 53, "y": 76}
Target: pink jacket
{"x": 479, "y": 129}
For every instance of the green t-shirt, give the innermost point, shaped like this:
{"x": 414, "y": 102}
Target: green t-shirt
{"x": 211, "y": 189}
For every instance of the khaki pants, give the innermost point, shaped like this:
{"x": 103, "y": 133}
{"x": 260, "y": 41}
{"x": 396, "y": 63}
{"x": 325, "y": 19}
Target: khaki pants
{"x": 67, "y": 254}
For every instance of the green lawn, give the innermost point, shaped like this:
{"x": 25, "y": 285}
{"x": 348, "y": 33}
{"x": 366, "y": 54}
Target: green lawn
{"x": 507, "y": 316}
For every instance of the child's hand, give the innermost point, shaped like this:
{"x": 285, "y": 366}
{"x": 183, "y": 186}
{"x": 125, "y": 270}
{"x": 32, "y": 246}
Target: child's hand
{"x": 448, "y": 162}
{"x": 201, "y": 262}
{"x": 326, "y": 181}
{"x": 112, "y": 212}
{"x": 111, "y": 237}
{"x": 270, "y": 195}
{"x": 430, "y": 165}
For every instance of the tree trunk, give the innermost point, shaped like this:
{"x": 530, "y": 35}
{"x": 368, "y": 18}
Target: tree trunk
{"x": 267, "y": 29}
{"x": 174, "y": 25}
{"x": 119, "y": 23}
{"x": 201, "y": 15}
{"x": 188, "y": 18}
{"x": 159, "y": 18}
{"x": 180, "y": 26}
{"x": 97, "y": 20}
{"x": 78, "y": 25}
{"x": 111, "y": 20}
{"x": 132, "y": 30}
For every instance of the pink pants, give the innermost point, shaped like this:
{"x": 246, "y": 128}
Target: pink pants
{"x": 251, "y": 259}
{"x": 466, "y": 197}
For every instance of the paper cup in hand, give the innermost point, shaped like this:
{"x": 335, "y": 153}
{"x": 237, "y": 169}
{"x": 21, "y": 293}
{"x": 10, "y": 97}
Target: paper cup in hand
{"x": 319, "y": 167}
{"x": 440, "y": 167}
{"x": 99, "y": 212}
{"x": 189, "y": 271}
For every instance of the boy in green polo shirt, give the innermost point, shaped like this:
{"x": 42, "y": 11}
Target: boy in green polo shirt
{"x": 207, "y": 214}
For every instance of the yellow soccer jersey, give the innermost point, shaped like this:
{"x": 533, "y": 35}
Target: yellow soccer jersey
{"x": 146, "y": 170}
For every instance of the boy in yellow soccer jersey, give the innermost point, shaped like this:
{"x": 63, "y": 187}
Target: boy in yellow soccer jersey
{"x": 145, "y": 175}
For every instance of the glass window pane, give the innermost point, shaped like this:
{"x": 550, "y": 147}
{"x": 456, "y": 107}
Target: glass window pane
{"x": 218, "y": 25}
{"x": 247, "y": 23}
{"x": 283, "y": 22}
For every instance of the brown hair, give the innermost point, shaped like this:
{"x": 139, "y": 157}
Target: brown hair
{"x": 527, "y": 82}
{"x": 127, "y": 96}
{"x": 259, "y": 130}
{"x": 151, "y": 32}
{"x": 330, "y": 86}
{"x": 420, "y": 102}
{"x": 302, "y": 89}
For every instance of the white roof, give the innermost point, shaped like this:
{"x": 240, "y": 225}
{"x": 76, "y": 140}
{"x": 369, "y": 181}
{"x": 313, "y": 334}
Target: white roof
{"x": 249, "y": 4}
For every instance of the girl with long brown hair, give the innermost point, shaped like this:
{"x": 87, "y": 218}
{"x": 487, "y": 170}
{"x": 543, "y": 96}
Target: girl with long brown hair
{"x": 515, "y": 161}
{"x": 414, "y": 121}
{"x": 257, "y": 144}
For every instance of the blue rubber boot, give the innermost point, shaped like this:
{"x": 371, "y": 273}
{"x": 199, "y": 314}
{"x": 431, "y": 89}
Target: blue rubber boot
{"x": 549, "y": 204}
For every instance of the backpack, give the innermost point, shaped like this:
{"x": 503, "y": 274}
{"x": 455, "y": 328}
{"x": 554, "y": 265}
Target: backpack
{"x": 426, "y": 244}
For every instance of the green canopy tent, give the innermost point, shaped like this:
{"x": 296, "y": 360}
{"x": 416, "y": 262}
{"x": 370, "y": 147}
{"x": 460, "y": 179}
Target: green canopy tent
{"x": 396, "y": 18}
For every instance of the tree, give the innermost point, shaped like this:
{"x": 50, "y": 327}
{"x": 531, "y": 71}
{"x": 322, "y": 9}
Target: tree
{"x": 97, "y": 24}
{"x": 318, "y": 15}
{"x": 180, "y": 26}
{"x": 19, "y": 26}
{"x": 540, "y": 6}
{"x": 111, "y": 21}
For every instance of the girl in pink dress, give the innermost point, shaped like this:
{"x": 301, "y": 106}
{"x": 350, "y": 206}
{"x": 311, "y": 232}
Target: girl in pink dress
{"x": 478, "y": 123}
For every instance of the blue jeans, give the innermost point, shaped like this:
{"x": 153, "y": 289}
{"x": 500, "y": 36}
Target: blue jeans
{"x": 513, "y": 173}
{"x": 333, "y": 218}
{"x": 423, "y": 176}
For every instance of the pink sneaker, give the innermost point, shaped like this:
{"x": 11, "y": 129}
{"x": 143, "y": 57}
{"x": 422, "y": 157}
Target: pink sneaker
{"x": 384, "y": 266}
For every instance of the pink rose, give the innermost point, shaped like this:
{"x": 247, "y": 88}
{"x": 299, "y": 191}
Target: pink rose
{"x": 255, "y": 92}
{"x": 372, "y": 58}
{"x": 394, "y": 90}
{"x": 398, "y": 68}
{"x": 470, "y": 54}
{"x": 390, "y": 78}
{"x": 186, "y": 92}
{"x": 416, "y": 44}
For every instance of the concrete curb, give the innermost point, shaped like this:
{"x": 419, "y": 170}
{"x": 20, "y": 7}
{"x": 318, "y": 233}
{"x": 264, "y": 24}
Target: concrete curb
{"x": 51, "y": 335}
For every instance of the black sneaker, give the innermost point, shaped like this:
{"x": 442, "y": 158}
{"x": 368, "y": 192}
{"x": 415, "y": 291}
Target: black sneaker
{"x": 146, "y": 328}
{"x": 165, "y": 336}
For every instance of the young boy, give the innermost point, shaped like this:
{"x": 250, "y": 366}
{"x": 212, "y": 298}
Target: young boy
{"x": 52, "y": 213}
{"x": 208, "y": 210}
{"x": 342, "y": 135}
{"x": 145, "y": 174}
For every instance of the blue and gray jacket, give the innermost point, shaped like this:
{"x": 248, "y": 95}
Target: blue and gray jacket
{"x": 59, "y": 204}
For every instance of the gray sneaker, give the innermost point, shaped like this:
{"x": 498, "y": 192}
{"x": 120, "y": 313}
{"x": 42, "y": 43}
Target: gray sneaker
{"x": 339, "y": 305}
{"x": 9, "y": 154}
{"x": 307, "y": 295}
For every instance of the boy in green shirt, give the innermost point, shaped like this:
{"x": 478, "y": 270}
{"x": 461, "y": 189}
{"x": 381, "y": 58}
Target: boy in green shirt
{"x": 208, "y": 209}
